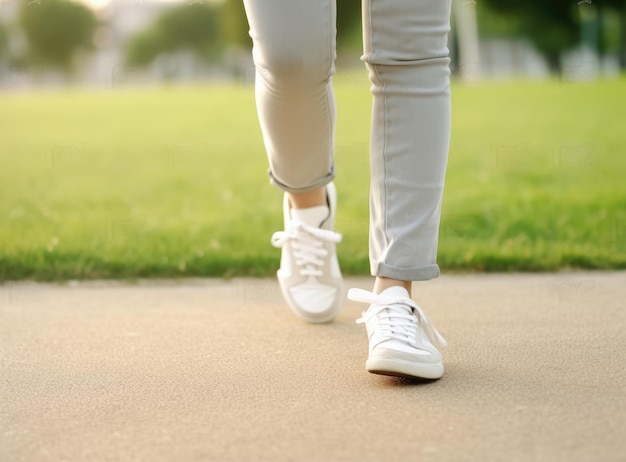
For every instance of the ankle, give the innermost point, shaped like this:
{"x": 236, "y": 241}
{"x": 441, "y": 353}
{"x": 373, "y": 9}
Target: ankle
{"x": 308, "y": 199}
{"x": 383, "y": 283}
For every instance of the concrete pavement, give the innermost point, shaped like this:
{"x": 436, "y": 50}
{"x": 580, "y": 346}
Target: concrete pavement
{"x": 203, "y": 370}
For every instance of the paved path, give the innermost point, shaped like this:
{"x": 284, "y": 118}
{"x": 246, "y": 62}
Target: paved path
{"x": 203, "y": 370}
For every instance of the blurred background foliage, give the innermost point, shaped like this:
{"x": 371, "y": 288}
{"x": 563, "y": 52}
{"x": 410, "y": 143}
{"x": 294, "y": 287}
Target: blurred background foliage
{"x": 195, "y": 28}
{"x": 60, "y": 34}
{"x": 56, "y": 30}
{"x": 557, "y": 25}
{"x": 3, "y": 40}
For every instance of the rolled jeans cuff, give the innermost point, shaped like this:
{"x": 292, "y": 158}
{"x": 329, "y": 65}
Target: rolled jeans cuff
{"x": 422, "y": 273}
{"x": 318, "y": 183}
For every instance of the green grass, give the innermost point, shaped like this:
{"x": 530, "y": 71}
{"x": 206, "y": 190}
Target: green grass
{"x": 162, "y": 182}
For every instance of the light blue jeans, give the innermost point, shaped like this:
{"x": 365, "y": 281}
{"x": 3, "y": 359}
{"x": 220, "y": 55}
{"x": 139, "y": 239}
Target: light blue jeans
{"x": 406, "y": 54}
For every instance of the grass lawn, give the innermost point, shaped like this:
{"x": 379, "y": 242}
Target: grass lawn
{"x": 161, "y": 182}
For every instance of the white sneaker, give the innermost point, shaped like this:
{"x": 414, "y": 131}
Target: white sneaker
{"x": 401, "y": 336}
{"x": 309, "y": 274}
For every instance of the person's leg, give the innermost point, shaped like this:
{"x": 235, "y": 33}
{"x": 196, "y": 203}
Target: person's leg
{"x": 405, "y": 50}
{"x": 294, "y": 53}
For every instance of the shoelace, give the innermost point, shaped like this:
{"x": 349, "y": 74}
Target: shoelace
{"x": 308, "y": 246}
{"x": 394, "y": 320}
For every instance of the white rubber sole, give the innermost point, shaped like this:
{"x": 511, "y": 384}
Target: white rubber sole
{"x": 313, "y": 318}
{"x": 402, "y": 368}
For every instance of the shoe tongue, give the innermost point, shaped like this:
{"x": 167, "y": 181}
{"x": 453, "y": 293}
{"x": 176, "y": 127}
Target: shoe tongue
{"x": 395, "y": 292}
{"x": 312, "y": 216}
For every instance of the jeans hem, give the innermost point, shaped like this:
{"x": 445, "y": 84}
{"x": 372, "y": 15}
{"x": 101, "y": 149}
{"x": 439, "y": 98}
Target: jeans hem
{"x": 422, "y": 273}
{"x": 320, "y": 182}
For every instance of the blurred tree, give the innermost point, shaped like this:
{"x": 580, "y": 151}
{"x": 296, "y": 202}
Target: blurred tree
{"x": 622, "y": 38}
{"x": 606, "y": 40}
{"x": 555, "y": 26}
{"x": 234, "y": 23}
{"x": 551, "y": 26}
{"x": 348, "y": 23}
{"x": 193, "y": 27}
{"x": 4, "y": 41}
{"x": 56, "y": 30}
{"x": 497, "y": 24}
